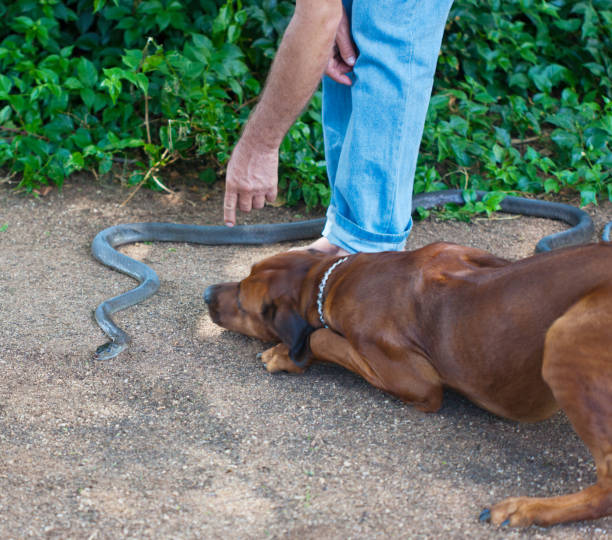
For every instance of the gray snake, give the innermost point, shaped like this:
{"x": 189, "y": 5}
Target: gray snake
{"x": 105, "y": 242}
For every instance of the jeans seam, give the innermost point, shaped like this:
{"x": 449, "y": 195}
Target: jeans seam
{"x": 408, "y": 87}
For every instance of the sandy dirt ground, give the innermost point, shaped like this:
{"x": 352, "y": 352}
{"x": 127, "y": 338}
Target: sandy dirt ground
{"x": 186, "y": 435}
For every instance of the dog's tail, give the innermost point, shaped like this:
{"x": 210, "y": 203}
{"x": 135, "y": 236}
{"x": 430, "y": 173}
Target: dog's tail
{"x": 606, "y": 232}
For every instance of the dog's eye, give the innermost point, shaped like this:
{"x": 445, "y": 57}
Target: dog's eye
{"x": 268, "y": 310}
{"x": 238, "y": 302}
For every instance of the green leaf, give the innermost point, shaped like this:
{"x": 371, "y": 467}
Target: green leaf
{"x": 459, "y": 124}
{"x": 498, "y": 153}
{"x": 484, "y": 97}
{"x": 459, "y": 148}
{"x": 503, "y": 136}
{"x": 469, "y": 195}
{"x": 241, "y": 17}
{"x": 116, "y": 143}
{"x": 545, "y": 77}
{"x": 588, "y": 195}
{"x": 203, "y": 46}
{"x": 576, "y": 153}
{"x": 127, "y": 23}
{"x": 208, "y": 175}
{"x": 519, "y": 80}
{"x": 568, "y": 25}
{"x": 86, "y": 72}
{"x": 233, "y": 33}
{"x": 551, "y": 185}
{"x": 531, "y": 154}
{"x": 99, "y": 4}
{"x": 60, "y": 125}
{"x": 82, "y": 137}
{"x": 253, "y": 86}
{"x": 113, "y": 139}
{"x": 106, "y": 164}
{"x": 5, "y": 114}
{"x": 311, "y": 195}
{"x": 76, "y": 162}
{"x": 132, "y": 58}
{"x": 88, "y": 96}
{"x": 22, "y": 24}
{"x": 493, "y": 199}
{"x": 113, "y": 86}
{"x": 596, "y": 69}
{"x": 163, "y": 19}
{"x": 135, "y": 178}
{"x": 153, "y": 62}
{"x": 137, "y": 79}
{"x": 222, "y": 20}
{"x": 72, "y": 83}
{"x": 236, "y": 88}
{"x": 565, "y": 139}
{"x": 5, "y": 86}
{"x": 606, "y": 161}
{"x": 596, "y": 138}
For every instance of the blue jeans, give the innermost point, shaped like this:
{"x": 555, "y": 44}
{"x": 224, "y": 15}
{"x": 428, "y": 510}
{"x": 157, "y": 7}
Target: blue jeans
{"x": 373, "y": 128}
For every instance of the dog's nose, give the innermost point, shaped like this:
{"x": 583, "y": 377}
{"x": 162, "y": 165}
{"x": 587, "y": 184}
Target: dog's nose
{"x": 209, "y": 294}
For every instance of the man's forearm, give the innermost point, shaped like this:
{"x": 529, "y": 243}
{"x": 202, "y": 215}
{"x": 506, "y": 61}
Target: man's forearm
{"x": 296, "y": 71}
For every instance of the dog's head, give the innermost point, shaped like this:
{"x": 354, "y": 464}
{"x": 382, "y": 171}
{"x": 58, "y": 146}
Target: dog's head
{"x": 265, "y": 304}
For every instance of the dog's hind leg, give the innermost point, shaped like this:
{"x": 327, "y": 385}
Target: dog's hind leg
{"x": 578, "y": 368}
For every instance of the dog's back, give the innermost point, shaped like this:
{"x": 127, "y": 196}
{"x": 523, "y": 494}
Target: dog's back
{"x": 481, "y": 320}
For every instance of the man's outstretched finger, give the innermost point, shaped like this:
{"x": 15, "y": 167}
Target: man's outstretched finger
{"x": 229, "y": 208}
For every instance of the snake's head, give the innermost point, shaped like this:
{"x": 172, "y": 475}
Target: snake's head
{"x": 109, "y": 350}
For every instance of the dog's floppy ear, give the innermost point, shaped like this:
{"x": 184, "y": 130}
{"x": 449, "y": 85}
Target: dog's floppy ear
{"x": 293, "y": 331}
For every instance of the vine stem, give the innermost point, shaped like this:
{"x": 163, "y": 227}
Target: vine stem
{"x": 161, "y": 162}
{"x": 23, "y": 132}
{"x": 146, "y": 100}
{"x": 527, "y": 140}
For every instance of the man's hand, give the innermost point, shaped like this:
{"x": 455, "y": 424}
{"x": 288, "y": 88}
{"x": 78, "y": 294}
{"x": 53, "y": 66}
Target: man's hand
{"x": 252, "y": 172}
{"x": 344, "y": 54}
{"x": 251, "y": 179}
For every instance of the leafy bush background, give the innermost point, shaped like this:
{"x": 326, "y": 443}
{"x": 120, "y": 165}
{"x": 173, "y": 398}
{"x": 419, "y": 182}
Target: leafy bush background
{"x": 522, "y": 99}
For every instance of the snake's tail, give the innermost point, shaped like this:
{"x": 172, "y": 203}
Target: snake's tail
{"x": 581, "y": 230}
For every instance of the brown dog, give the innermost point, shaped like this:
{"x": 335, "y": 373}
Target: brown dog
{"x": 520, "y": 339}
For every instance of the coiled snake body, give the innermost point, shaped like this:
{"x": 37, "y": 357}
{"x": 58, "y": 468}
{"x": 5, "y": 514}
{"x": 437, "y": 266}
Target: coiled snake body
{"x": 105, "y": 242}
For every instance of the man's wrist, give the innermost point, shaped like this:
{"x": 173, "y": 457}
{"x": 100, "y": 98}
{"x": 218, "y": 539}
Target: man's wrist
{"x": 260, "y": 138}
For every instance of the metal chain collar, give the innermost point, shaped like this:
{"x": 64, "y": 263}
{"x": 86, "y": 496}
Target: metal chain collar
{"x": 322, "y": 288}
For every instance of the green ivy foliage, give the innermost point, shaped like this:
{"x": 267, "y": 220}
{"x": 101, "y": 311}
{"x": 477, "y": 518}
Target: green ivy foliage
{"x": 522, "y": 99}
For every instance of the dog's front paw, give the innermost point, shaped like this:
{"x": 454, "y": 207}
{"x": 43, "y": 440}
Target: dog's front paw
{"x": 515, "y": 512}
{"x": 277, "y": 359}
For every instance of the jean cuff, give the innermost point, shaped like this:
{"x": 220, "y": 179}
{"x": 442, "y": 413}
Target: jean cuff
{"x": 342, "y": 232}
